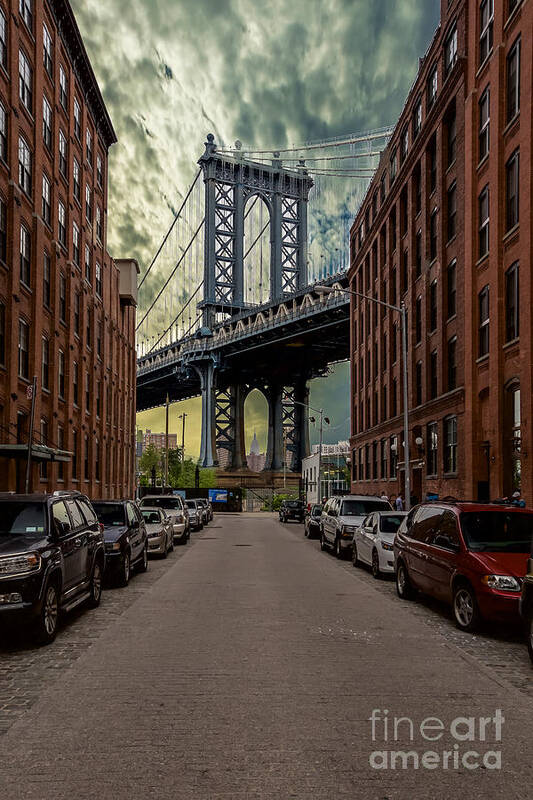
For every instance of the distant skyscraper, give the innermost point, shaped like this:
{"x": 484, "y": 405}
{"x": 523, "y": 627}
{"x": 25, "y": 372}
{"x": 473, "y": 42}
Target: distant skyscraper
{"x": 255, "y": 459}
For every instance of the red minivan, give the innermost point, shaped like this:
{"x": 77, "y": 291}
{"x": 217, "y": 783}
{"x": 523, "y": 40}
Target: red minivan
{"x": 470, "y": 555}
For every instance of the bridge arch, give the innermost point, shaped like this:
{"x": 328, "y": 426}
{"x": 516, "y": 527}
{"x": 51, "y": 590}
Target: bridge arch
{"x": 256, "y": 421}
{"x": 257, "y": 250}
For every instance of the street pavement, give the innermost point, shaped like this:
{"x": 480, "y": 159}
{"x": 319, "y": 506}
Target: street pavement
{"x": 248, "y": 666}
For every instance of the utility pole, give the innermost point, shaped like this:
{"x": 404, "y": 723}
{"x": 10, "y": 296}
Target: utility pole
{"x": 183, "y": 417}
{"x": 166, "y": 441}
{"x": 30, "y": 434}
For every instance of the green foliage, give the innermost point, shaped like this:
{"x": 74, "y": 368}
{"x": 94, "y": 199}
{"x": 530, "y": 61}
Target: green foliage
{"x": 182, "y": 475}
{"x": 151, "y": 457}
{"x": 277, "y": 499}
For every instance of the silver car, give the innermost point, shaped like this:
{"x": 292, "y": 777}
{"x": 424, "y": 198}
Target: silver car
{"x": 174, "y": 505}
{"x": 340, "y": 518}
{"x": 159, "y": 531}
{"x": 196, "y": 514}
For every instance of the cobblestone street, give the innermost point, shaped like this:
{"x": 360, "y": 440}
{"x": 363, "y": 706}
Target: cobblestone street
{"x": 247, "y": 665}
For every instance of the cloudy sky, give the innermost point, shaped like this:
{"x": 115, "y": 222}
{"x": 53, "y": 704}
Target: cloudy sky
{"x": 268, "y": 72}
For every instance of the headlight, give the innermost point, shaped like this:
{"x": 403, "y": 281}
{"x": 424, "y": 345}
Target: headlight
{"x": 387, "y": 546}
{"x": 20, "y": 564}
{"x": 155, "y": 535}
{"x": 112, "y": 547}
{"x": 503, "y": 582}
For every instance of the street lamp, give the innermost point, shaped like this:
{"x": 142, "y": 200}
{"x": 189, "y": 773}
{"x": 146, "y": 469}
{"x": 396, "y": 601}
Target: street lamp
{"x": 402, "y": 311}
{"x": 322, "y": 420}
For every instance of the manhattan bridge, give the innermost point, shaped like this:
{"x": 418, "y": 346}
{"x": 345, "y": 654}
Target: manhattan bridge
{"x": 229, "y": 302}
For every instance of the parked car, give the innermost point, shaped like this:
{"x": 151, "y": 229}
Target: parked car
{"x": 373, "y": 541}
{"x": 208, "y": 509}
{"x": 196, "y": 514}
{"x": 204, "y": 511}
{"x": 291, "y": 509}
{"x": 159, "y": 531}
{"x": 312, "y": 521}
{"x": 526, "y": 605}
{"x": 340, "y": 518}
{"x": 174, "y": 505}
{"x": 469, "y": 555}
{"x": 126, "y": 541}
{"x": 52, "y": 558}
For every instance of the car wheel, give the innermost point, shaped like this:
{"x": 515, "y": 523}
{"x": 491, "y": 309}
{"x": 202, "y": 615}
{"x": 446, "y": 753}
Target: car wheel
{"x": 355, "y": 556}
{"x": 338, "y": 549}
{"x": 323, "y": 546}
{"x": 48, "y": 619}
{"x": 465, "y": 608}
{"x": 143, "y": 564}
{"x": 125, "y": 570}
{"x": 403, "y": 584}
{"x": 376, "y": 572}
{"x": 95, "y": 589}
{"x": 529, "y": 630}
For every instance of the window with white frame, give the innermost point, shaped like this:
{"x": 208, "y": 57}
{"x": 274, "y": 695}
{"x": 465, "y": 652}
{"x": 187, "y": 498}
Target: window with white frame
{"x": 76, "y": 180}
{"x": 99, "y": 223}
{"x": 24, "y": 349}
{"x": 25, "y": 255}
{"x": 61, "y": 374}
{"x": 62, "y": 223}
{"x": 432, "y": 86}
{"x": 88, "y": 203}
{"x": 486, "y": 25}
{"x": 26, "y": 12}
{"x": 484, "y": 124}
{"x": 513, "y": 81}
{"x": 450, "y": 49}
{"x": 99, "y": 170}
{"x": 75, "y": 244}
{"x": 77, "y": 119}
{"x": 450, "y": 444}
{"x": 88, "y": 263}
{"x": 484, "y": 322}
{"x": 63, "y": 87}
{"x": 25, "y": 81}
{"x": 47, "y": 123}
{"x": 98, "y": 279}
{"x": 47, "y": 200}
{"x": 89, "y": 146}
{"x": 25, "y": 166}
{"x": 3, "y": 39}
{"x": 483, "y": 210}
{"x": 63, "y": 157}
{"x": 48, "y": 58}
{"x": 3, "y": 133}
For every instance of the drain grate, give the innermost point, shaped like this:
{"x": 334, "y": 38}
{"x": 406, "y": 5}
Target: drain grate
{"x": 242, "y": 545}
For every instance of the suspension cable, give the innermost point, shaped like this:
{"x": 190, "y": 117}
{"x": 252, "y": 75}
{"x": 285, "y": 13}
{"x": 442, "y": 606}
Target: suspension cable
{"x": 382, "y": 133}
{"x": 171, "y": 274}
{"x": 189, "y": 301}
{"x": 193, "y": 184}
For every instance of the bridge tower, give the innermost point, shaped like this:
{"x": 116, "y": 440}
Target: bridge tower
{"x": 230, "y": 182}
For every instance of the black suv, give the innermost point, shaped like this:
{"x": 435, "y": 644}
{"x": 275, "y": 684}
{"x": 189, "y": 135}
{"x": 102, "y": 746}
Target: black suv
{"x": 52, "y": 557}
{"x": 126, "y": 541}
{"x": 291, "y": 509}
{"x": 526, "y": 605}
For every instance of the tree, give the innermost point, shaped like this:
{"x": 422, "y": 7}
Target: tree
{"x": 150, "y": 458}
{"x": 181, "y": 474}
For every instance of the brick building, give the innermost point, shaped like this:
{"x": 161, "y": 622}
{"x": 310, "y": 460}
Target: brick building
{"x": 159, "y": 440}
{"x": 445, "y": 228}
{"x": 67, "y": 309}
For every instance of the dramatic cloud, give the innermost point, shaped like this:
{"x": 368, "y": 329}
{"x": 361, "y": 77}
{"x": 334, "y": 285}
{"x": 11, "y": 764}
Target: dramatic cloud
{"x": 268, "y": 72}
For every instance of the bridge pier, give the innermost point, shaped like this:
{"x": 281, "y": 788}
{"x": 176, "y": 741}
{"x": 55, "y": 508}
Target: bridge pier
{"x": 206, "y": 372}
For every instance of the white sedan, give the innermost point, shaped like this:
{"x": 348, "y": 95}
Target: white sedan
{"x": 372, "y": 541}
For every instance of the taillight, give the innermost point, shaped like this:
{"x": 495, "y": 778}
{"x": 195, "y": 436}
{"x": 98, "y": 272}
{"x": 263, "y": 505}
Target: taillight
{"x": 101, "y": 527}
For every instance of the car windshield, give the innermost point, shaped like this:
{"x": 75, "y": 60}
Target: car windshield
{"x": 389, "y": 523}
{"x": 110, "y": 514}
{"x": 151, "y": 517}
{"x": 22, "y": 519}
{"x": 164, "y": 502}
{"x": 293, "y": 504}
{"x": 360, "y": 508}
{"x": 191, "y": 504}
{"x": 316, "y": 511}
{"x": 498, "y": 531}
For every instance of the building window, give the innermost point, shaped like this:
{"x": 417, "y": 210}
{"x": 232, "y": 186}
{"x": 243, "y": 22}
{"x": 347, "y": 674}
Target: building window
{"x": 46, "y": 280}
{"x": 484, "y": 124}
{"x": 418, "y": 379}
{"x": 404, "y": 144}
{"x": 486, "y": 23}
{"x": 97, "y": 460}
{"x": 25, "y": 169}
{"x": 513, "y": 81}
{"x": 511, "y": 5}
{"x": 432, "y": 86}
{"x": 512, "y": 178}
{"x": 404, "y": 271}
{"x": 383, "y": 446}
{"x": 99, "y": 223}
{"x": 77, "y": 313}
{"x": 45, "y": 363}
{"x": 3, "y": 133}
{"x": 385, "y": 404}
{"x": 2, "y": 334}
{"x": 88, "y": 204}
{"x": 25, "y": 81}
{"x": 451, "y": 208}
{"x": 3, "y": 39}
{"x": 367, "y": 462}
{"x": 63, "y": 88}
{"x": 76, "y": 181}
{"x": 451, "y": 288}
{"x": 60, "y": 446}
{"x": 418, "y": 188}
{"x": 384, "y": 352}
{"x": 47, "y": 123}
{"x": 512, "y": 322}
{"x": 433, "y": 376}
{"x": 394, "y": 338}
{"x": 394, "y": 397}
{"x": 47, "y": 203}
{"x": 61, "y": 374}
{"x": 87, "y": 392}
{"x": 418, "y": 320}
{"x": 98, "y": 279}
{"x": 450, "y": 444}
{"x": 99, "y": 338}
{"x": 432, "y": 158}
{"x": 433, "y": 236}
{"x": 484, "y": 321}
{"x": 25, "y": 255}
{"x": 86, "y": 459}
{"x": 483, "y": 205}
{"x": 393, "y": 456}
{"x": 62, "y": 224}
{"x": 76, "y": 244}
{"x": 23, "y": 349}
{"x": 393, "y": 228}
{"x": 77, "y": 119}
{"x": 62, "y": 298}
{"x": 418, "y": 254}
{"x": 63, "y": 158}
{"x": 48, "y": 59}
{"x": 88, "y": 263}
{"x": 3, "y": 230}
{"x": 74, "y": 462}
{"x": 26, "y": 12}
{"x": 383, "y": 187}
{"x": 100, "y": 174}
{"x": 75, "y": 383}
{"x": 98, "y": 389}
{"x": 432, "y": 441}
{"x": 417, "y": 118}
{"x": 393, "y": 165}
{"x": 450, "y": 50}
{"x": 452, "y": 363}
{"x": 89, "y": 146}
{"x": 451, "y": 136}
